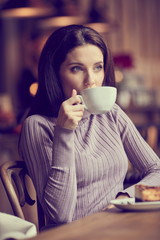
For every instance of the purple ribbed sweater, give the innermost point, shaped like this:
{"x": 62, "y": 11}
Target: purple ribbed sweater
{"x": 77, "y": 172}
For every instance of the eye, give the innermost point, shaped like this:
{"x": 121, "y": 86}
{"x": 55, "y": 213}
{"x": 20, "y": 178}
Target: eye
{"x": 76, "y": 69}
{"x": 98, "y": 68}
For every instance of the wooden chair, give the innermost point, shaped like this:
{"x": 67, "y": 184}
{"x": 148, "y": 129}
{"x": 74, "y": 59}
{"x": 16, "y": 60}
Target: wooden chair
{"x": 13, "y": 175}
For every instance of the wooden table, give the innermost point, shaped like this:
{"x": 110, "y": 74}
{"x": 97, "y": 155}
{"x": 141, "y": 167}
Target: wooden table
{"x": 113, "y": 224}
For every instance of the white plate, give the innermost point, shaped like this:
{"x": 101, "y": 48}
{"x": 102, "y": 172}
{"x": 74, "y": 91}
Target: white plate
{"x": 131, "y": 205}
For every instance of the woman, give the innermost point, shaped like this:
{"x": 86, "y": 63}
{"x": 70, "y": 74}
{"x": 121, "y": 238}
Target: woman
{"x": 78, "y": 161}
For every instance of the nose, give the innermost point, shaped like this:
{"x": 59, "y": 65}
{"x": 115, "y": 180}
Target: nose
{"x": 89, "y": 80}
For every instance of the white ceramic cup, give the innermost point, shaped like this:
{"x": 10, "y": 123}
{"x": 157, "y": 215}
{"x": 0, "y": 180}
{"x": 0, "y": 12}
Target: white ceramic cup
{"x": 98, "y": 100}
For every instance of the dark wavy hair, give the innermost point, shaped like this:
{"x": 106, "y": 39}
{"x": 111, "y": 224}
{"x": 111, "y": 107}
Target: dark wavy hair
{"x": 50, "y": 93}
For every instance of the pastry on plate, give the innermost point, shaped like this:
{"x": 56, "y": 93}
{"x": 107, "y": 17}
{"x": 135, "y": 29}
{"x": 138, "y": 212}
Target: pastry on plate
{"x": 145, "y": 193}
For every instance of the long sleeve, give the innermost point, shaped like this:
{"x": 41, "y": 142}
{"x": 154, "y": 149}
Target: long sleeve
{"x": 77, "y": 173}
{"x": 48, "y": 153}
{"x": 138, "y": 151}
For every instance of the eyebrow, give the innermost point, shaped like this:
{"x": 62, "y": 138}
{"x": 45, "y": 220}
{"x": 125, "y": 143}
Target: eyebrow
{"x": 75, "y": 63}
{"x": 78, "y": 63}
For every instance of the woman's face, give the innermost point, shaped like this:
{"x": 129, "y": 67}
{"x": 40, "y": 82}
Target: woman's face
{"x": 82, "y": 68}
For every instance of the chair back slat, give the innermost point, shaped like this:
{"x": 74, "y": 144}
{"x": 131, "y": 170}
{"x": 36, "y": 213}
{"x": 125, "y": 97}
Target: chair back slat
{"x": 13, "y": 175}
{"x": 6, "y": 177}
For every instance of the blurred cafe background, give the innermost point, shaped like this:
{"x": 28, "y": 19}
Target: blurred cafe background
{"x": 131, "y": 28}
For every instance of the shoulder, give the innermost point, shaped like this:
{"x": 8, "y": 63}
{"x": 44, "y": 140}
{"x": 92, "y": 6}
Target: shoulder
{"x": 39, "y": 120}
{"x": 118, "y": 114}
{"x": 109, "y": 120}
{"x": 116, "y": 119}
{"x": 115, "y": 114}
{"x": 122, "y": 121}
{"x": 116, "y": 110}
{"x": 36, "y": 123}
{"x": 36, "y": 131}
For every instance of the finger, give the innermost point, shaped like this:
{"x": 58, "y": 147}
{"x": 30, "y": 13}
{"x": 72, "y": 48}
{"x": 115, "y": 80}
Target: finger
{"x": 74, "y": 122}
{"x": 70, "y": 109}
{"x": 74, "y": 92}
{"x": 108, "y": 207}
{"x": 77, "y": 107}
{"x": 78, "y": 114}
{"x": 74, "y": 100}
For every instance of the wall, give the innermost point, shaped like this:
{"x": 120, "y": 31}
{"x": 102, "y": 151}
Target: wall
{"x": 138, "y": 33}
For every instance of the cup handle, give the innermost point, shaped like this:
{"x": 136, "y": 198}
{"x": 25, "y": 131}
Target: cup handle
{"x": 82, "y": 101}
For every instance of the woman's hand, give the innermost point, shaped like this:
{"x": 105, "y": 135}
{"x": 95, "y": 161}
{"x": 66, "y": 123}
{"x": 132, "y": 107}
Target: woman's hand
{"x": 71, "y": 112}
{"x": 120, "y": 196}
